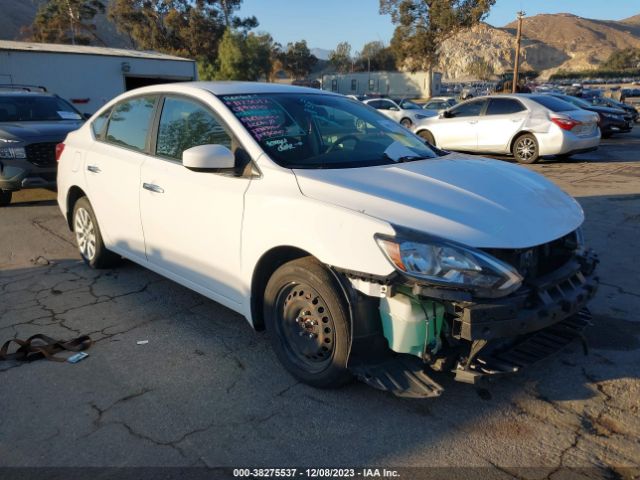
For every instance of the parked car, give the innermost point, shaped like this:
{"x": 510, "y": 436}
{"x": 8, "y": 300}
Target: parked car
{"x": 32, "y": 122}
{"x": 611, "y": 103}
{"x": 439, "y": 103}
{"x": 361, "y": 249}
{"x": 523, "y": 125}
{"x": 403, "y": 111}
{"x": 612, "y": 120}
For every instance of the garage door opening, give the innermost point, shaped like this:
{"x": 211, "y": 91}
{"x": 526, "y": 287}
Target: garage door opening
{"x": 131, "y": 82}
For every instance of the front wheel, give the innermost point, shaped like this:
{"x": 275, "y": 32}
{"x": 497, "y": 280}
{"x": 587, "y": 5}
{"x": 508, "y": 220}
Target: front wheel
{"x": 307, "y": 320}
{"x": 406, "y": 123}
{"x": 88, "y": 237}
{"x": 5, "y": 198}
{"x": 525, "y": 149}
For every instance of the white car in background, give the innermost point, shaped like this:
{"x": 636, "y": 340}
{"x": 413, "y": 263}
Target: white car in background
{"x": 439, "y": 103}
{"x": 361, "y": 249}
{"x": 525, "y": 126}
{"x": 405, "y": 112}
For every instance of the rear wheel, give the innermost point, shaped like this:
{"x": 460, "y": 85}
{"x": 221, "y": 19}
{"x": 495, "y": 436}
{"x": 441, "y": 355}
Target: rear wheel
{"x": 427, "y": 136}
{"x": 307, "y": 320}
{"x": 88, "y": 237}
{"x": 5, "y": 198}
{"x": 525, "y": 149}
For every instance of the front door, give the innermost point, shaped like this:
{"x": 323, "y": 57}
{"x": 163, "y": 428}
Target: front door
{"x": 459, "y": 130}
{"x": 192, "y": 220}
{"x": 503, "y": 118}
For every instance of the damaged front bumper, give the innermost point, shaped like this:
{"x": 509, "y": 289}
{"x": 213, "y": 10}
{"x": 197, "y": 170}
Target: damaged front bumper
{"x": 482, "y": 337}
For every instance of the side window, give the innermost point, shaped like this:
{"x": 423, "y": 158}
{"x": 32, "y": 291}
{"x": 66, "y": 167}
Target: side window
{"x": 185, "y": 124}
{"x": 99, "y": 123}
{"x": 386, "y": 105}
{"x": 504, "y": 106}
{"x": 471, "y": 109}
{"x": 375, "y": 104}
{"x": 129, "y": 122}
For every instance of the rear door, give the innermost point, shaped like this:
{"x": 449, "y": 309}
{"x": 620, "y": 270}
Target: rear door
{"x": 113, "y": 173}
{"x": 192, "y": 220}
{"x": 503, "y": 118}
{"x": 459, "y": 131}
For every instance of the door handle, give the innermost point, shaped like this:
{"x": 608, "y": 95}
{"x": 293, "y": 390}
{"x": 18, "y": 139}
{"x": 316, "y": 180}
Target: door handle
{"x": 515, "y": 120}
{"x": 153, "y": 188}
{"x": 93, "y": 169}
{"x": 473, "y": 122}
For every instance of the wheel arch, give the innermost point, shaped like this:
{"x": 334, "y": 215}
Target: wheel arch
{"x": 74, "y": 194}
{"x": 268, "y": 263}
{"x": 518, "y": 135}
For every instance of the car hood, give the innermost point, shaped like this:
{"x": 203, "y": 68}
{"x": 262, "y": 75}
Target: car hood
{"x": 29, "y": 130}
{"x": 475, "y": 201}
{"x": 612, "y": 111}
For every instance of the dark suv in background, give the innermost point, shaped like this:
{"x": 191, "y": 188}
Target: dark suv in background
{"x": 32, "y": 123}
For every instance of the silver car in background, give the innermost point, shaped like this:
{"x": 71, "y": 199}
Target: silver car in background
{"x": 526, "y": 126}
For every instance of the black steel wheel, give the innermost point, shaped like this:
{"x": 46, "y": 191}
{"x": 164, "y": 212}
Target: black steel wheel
{"x": 306, "y": 317}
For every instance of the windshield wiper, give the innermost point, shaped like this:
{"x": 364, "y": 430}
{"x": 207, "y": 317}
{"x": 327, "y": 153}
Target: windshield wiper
{"x": 405, "y": 158}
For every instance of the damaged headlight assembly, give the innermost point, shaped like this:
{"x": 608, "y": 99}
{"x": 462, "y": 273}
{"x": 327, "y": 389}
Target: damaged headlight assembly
{"x": 443, "y": 263}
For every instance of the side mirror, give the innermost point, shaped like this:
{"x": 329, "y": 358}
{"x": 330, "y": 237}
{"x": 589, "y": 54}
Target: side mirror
{"x": 446, "y": 114}
{"x": 208, "y": 157}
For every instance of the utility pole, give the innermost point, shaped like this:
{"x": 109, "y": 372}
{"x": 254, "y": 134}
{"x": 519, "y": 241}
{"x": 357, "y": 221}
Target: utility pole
{"x": 516, "y": 67}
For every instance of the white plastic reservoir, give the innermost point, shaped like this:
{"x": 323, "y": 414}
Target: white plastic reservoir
{"x": 404, "y": 323}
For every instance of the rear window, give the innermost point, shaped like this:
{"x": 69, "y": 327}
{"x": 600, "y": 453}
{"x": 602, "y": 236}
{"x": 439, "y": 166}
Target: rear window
{"x": 552, "y": 103}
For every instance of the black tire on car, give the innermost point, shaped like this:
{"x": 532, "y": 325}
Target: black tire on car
{"x": 307, "y": 319}
{"x": 525, "y": 149}
{"x": 88, "y": 237}
{"x": 406, "y": 122}
{"x": 5, "y": 198}
{"x": 427, "y": 136}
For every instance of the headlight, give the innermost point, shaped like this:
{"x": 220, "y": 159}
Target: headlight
{"x": 420, "y": 116}
{"x": 448, "y": 264}
{"x": 611, "y": 116}
{"x": 9, "y": 140}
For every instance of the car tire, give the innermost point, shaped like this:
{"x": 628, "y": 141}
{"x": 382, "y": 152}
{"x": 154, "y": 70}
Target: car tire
{"x": 307, "y": 319}
{"x": 427, "y": 136}
{"x": 525, "y": 149}
{"x": 5, "y": 197}
{"x": 88, "y": 237}
{"x": 607, "y": 135}
{"x": 406, "y": 122}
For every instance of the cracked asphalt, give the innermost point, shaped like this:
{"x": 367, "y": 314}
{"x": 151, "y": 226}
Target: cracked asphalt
{"x": 207, "y": 391}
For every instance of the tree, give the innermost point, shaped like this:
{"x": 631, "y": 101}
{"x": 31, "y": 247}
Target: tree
{"x": 375, "y": 57}
{"x": 340, "y": 58}
{"x": 297, "y": 60}
{"x": 626, "y": 59}
{"x": 480, "y": 69}
{"x": 422, "y": 26}
{"x": 66, "y": 21}
{"x": 180, "y": 27}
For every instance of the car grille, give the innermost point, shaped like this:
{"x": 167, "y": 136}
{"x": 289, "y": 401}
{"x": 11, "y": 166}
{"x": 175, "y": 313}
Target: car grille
{"x": 541, "y": 260}
{"x": 41, "y": 154}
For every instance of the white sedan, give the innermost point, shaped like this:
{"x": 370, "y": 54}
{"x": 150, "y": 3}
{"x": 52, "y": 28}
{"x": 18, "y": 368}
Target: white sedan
{"x": 526, "y": 126}
{"x": 402, "y": 111}
{"x": 361, "y": 250}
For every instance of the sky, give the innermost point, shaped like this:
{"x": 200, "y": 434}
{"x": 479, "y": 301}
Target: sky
{"x": 325, "y": 23}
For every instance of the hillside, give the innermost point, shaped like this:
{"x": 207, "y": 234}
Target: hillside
{"x": 550, "y": 43}
{"x": 20, "y": 13}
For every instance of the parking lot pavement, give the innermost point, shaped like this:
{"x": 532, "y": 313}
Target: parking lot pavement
{"x": 207, "y": 390}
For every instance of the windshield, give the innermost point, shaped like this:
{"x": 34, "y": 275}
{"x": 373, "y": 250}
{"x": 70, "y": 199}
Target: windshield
{"x": 578, "y": 102}
{"x": 324, "y": 131}
{"x": 24, "y": 108}
{"x": 409, "y": 105}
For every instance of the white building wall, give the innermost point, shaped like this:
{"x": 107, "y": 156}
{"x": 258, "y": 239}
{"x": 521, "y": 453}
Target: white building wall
{"x": 80, "y": 76}
{"x": 394, "y": 84}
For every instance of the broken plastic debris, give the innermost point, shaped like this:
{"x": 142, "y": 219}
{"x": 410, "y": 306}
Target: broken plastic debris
{"x": 142, "y": 342}
{"x": 77, "y": 357}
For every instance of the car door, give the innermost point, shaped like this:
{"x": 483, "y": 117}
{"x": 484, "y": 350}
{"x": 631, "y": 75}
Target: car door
{"x": 113, "y": 173}
{"x": 503, "y": 118}
{"x": 457, "y": 127}
{"x": 192, "y": 220}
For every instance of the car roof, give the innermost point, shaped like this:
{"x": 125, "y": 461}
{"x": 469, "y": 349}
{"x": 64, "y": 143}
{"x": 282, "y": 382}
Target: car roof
{"x": 233, "y": 88}
{"x": 23, "y": 93}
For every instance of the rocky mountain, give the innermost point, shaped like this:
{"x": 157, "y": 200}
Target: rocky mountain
{"x": 550, "y": 43}
{"x": 16, "y": 14}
